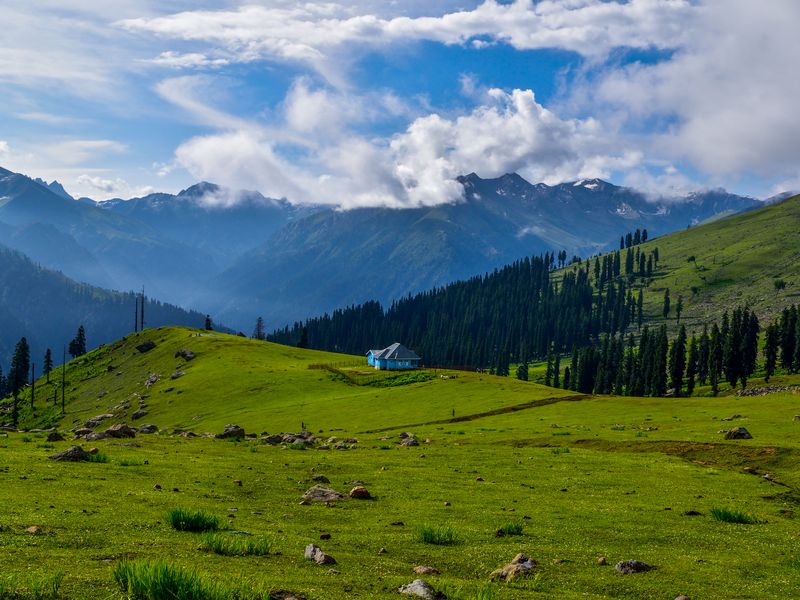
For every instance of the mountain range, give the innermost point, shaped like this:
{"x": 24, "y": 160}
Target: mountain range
{"x": 238, "y": 254}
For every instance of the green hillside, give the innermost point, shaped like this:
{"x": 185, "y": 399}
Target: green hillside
{"x": 579, "y": 477}
{"x": 730, "y": 262}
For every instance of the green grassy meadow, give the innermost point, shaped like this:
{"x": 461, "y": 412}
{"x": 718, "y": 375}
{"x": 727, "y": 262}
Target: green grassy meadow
{"x": 585, "y": 477}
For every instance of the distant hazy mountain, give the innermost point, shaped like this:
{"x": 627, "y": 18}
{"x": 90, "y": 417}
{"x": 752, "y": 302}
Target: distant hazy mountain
{"x": 333, "y": 258}
{"x": 94, "y": 245}
{"x": 221, "y": 223}
{"x": 238, "y": 254}
{"x": 47, "y": 308}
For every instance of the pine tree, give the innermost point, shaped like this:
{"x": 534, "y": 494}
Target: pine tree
{"x": 208, "y": 326}
{"x": 77, "y": 347}
{"x": 692, "y": 363}
{"x": 548, "y": 373}
{"x": 715, "y": 358}
{"x": 771, "y": 338}
{"x": 18, "y": 375}
{"x": 47, "y": 364}
{"x": 567, "y": 375}
{"x": 702, "y": 359}
{"x": 522, "y": 371}
{"x": 303, "y": 342}
{"x": 666, "y": 307}
{"x": 639, "y": 306}
{"x": 258, "y": 331}
{"x": 679, "y": 308}
{"x": 677, "y": 361}
{"x": 557, "y": 371}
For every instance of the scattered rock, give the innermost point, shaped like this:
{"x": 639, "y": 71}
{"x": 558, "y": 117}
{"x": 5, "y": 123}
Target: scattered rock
{"x": 96, "y": 436}
{"x": 146, "y": 346}
{"x": 683, "y": 598}
{"x": 151, "y": 380}
{"x": 54, "y": 436}
{"x": 763, "y": 391}
{"x": 177, "y": 375}
{"x": 420, "y": 588}
{"x": 405, "y": 435}
{"x": 732, "y": 417}
{"x": 95, "y": 421}
{"x": 447, "y": 504}
{"x": 73, "y": 454}
{"x": 120, "y": 430}
{"x": 313, "y": 552}
{"x": 34, "y": 530}
{"x": 231, "y": 431}
{"x": 319, "y": 493}
{"x": 324, "y": 536}
{"x": 156, "y": 487}
{"x": 93, "y": 451}
{"x": 409, "y": 441}
{"x": 382, "y": 551}
{"x": 738, "y": 433}
{"x": 139, "y": 414}
{"x": 360, "y": 493}
{"x": 148, "y": 428}
{"x": 559, "y": 561}
{"x": 628, "y": 567}
{"x": 520, "y": 566}
{"x": 692, "y": 513}
{"x": 425, "y": 570}
{"x": 272, "y": 440}
{"x": 237, "y": 482}
{"x": 796, "y": 418}
{"x": 320, "y": 479}
{"x": 185, "y": 354}
{"x": 82, "y": 432}
{"x": 602, "y": 561}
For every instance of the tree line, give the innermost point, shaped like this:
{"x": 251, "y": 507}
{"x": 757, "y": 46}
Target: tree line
{"x": 515, "y": 314}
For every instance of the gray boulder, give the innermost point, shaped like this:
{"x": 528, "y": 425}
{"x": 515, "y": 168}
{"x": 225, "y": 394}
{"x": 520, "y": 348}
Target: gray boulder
{"x": 148, "y": 428}
{"x": 320, "y": 493}
{"x": 231, "y": 431}
{"x": 313, "y": 552}
{"x": 738, "y": 433}
{"x": 139, "y": 414}
{"x": 120, "y": 430}
{"x": 419, "y": 588}
{"x": 521, "y": 565}
{"x": 73, "y": 454}
{"x": 146, "y": 346}
{"x": 185, "y": 354}
{"x": 95, "y": 421}
{"x": 628, "y": 567}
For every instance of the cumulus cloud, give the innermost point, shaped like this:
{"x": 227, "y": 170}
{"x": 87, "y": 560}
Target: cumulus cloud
{"x": 5, "y": 149}
{"x": 416, "y": 167}
{"x": 729, "y": 92}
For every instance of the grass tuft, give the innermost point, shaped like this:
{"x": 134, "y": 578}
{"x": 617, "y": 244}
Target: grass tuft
{"x": 97, "y": 458}
{"x": 728, "y": 515}
{"x": 47, "y": 588}
{"x": 182, "y": 519}
{"x": 509, "y": 529}
{"x": 227, "y": 545}
{"x": 438, "y": 535}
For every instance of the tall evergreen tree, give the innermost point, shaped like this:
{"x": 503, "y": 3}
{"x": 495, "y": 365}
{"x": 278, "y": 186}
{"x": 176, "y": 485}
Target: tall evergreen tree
{"x": 665, "y": 306}
{"x": 557, "y": 371}
{"x": 18, "y": 375}
{"x": 715, "y": 358}
{"x": 679, "y": 308}
{"x": 77, "y": 347}
{"x": 771, "y": 339}
{"x": 208, "y": 325}
{"x": 677, "y": 361}
{"x": 47, "y": 364}
{"x": 692, "y": 362}
{"x": 258, "y": 330}
{"x": 639, "y": 307}
{"x": 522, "y": 371}
{"x": 702, "y": 358}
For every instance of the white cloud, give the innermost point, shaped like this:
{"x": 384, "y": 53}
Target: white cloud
{"x": 416, "y": 167}
{"x": 729, "y": 92}
{"x": 75, "y": 152}
{"x": 187, "y": 60}
{"x": 90, "y": 185}
{"x": 5, "y": 149}
{"x": 322, "y": 36}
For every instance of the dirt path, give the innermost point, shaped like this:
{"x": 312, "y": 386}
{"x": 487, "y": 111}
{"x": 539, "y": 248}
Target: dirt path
{"x": 489, "y": 413}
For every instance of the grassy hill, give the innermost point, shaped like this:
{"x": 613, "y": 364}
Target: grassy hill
{"x": 730, "y": 262}
{"x": 582, "y": 477}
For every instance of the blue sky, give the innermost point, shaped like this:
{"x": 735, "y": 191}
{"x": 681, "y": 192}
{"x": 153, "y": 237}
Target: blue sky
{"x": 367, "y": 103}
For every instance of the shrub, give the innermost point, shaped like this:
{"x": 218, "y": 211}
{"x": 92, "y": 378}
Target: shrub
{"x": 182, "y": 519}
{"x": 128, "y": 462}
{"x": 732, "y": 516}
{"x": 228, "y": 545}
{"x": 439, "y": 535}
{"x": 779, "y": 284}
{"x": 509, "y": 529}
{"x": 97, "y": 458}
{"x": 159, "y": 581}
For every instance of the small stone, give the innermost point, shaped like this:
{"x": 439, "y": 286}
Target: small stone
{"x": 319, "y": 493}
{"x": 34, "y": 530}
{"x": 447, "y": 504}
{"x": 157, "y": 487}
{"x": 320, "y": 479}
{"x": 420, "y": 588}
{"x": 147, "y": 428}
{"x": 325, "y": 536}
{"x": 177, "y": 375}
{"x": 146, "y": 346}
{"x": 409, "y": 441}
{"x": 73, "y": 454}
{"x": 382, "y": 551}
{"x": 360, "y": 493}
{"x": 602, "y": 561}
{"x": 628, "y": 567}
{"x": 120, "y": 430}
{"x": 237, "y": 482}
{"x": 738, "y": 433}
{"x": 139, "y": 414}
{"x": 683, "y": 598}
{"x": 479, "y": 479}
{"x": 185, "y": 354}
{"x": 425, "y": 570}
{"x": 520, "y": 566}
{"x": 231, "y": 431}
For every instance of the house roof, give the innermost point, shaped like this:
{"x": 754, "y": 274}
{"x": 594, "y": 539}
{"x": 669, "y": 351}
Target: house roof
{"x": 396, "y": 351}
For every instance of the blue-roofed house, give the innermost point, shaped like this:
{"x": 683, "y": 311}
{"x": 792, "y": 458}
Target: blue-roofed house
{"x": 395, "y": 356}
